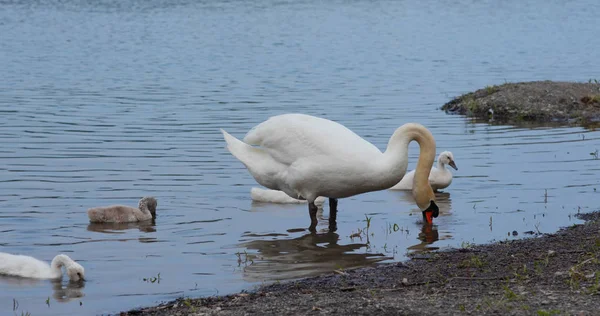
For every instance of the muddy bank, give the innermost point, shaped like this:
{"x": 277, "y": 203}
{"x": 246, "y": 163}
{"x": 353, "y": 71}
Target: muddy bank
{"x": 553, "y": 274}
{"x": 537, "y": 101}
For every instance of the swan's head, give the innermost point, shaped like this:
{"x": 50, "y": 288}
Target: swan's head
{"x": 430, "y": 212}
{"x": 447, "y": 158}
{"x": 75, "y": 272}
{"x": 149, "y": 202}
{"x": 425, "y": 198}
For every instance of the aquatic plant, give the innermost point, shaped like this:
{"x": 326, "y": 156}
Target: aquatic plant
{"x": 153, "y": 279}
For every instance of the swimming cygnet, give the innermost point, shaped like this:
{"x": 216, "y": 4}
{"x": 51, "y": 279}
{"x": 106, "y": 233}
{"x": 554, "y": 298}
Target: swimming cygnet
{"x": 29, "y": 267}
{"x": 124, "y": 214}
{"x": 276, "y": 196}
{"x": 439, "y": 178}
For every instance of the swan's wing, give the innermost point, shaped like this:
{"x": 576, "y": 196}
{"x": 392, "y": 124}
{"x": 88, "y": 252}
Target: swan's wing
{"x": 24, "y": 266}
{"x": 289, "y": 137}
{"x": 440, "y": 179}
{"x": 406, "y": 182}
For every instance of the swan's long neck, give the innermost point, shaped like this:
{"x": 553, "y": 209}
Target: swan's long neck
{"x": 58, "y": 262}
{"x": 440, "y": 164}
{"x": 396, "y": 160}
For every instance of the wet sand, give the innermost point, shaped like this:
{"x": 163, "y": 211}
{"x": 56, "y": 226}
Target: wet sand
{"x": 549, "y": 274}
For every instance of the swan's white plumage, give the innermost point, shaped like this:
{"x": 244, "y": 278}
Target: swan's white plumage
{"x": 307, "y": 157}
{"x": 29, "y": 267}
{"x": 274, "y": 196}
{"x": 439, "y": 178}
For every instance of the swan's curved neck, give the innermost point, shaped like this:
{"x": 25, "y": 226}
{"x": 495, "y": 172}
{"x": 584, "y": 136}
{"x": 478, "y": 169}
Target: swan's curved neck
{"x": 397, "y": 159}
{"x": 441, "y": 165}
{"x": 58, "y": 262}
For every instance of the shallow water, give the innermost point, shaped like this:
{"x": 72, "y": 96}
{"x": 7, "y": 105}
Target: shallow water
{"x": 104, "y": 102}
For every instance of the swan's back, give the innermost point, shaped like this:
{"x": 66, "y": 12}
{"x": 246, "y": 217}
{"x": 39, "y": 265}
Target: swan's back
{"x": 123, "y": 214}
{"x": 114, "y": 214}
{"x": 24, "y": 266}
{"x": 289, "y": 137}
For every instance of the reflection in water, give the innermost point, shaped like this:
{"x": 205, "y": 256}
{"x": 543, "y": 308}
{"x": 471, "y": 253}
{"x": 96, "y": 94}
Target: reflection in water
{"x": 66, "y": 293}
{"x": 428, "y": 235}
{"x": 429, "y": 232}
{"x": 113, "y": 228}
{"x": 61, "y": 293}
{"x": 19, "y": 281}
{"x": 279, "y": 208}
{"x": 310, "y": 254}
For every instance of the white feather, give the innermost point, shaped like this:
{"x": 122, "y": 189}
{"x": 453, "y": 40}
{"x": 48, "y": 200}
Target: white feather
{"x": 29, "y": 267}
{"x": 439, "y": 178}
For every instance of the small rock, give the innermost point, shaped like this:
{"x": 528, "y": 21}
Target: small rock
{"x": 559, "y": 273}
{"x": 545, "y": 302}
{"x": 315, "y": 308}
{"x": 551, "y": 253}
{"x": 404, "y": 281}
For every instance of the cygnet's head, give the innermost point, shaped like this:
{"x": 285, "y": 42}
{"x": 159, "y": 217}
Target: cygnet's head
{"x": 447, "y": 158}
{"x": 149, "y": 202}
{"x": 75, "y": 272}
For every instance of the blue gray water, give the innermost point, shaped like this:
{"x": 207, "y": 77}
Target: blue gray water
{"x": 103, "y": 102}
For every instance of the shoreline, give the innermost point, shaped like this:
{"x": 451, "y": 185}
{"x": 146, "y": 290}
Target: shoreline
{"x": 535, "y": 101}
{"x": 552, "y": 274}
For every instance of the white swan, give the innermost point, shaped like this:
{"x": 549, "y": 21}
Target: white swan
{"x": 275, "y": 196}
{"x": 124, "y": 214}
{"x": 439, "y": 178}
{"x": 29, "y": 267}
{"x": 307, "y": 157}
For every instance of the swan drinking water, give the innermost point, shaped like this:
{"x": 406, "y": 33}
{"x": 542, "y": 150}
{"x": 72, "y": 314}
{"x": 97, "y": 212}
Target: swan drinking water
{"x": 124, "y": 214}
{"x": 439, "y": 178}
{"x": 307, "y": 157}
{"x": 29, "y": 267}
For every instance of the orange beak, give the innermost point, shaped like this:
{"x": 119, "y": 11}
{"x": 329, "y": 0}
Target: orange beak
{"x": 428, "y": 216}
{"x": 431, "y": 212}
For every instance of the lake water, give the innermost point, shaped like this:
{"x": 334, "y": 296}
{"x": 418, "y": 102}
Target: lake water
{"x": 103, "y": 102}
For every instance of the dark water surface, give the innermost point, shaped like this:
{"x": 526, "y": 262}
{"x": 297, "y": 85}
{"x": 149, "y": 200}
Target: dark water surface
{"x": 103, "y": 102}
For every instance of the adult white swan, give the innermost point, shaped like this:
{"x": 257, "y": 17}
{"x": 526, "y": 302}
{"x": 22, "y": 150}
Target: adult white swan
{"x": 29, "y": 267}
{"x": 307, "y": 157}
{"x": 439, "y": 178}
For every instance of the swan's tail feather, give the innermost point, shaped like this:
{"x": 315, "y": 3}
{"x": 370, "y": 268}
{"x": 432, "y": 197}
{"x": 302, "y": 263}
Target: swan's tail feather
{"x": 261, "y": 165}
{"x": 245, "y": 153}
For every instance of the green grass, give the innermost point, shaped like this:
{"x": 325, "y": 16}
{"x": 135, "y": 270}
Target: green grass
{"x": 542, "y": 312}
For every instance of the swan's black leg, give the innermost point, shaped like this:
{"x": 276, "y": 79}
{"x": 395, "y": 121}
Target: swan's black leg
{"x": 333, "y": 214}
{"x": 312, "y": 210}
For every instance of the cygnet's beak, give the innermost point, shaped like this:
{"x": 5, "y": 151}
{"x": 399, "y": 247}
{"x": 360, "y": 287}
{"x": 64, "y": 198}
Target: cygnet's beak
{"x": 453, "y": 165}
{"x": 431, "y": 212}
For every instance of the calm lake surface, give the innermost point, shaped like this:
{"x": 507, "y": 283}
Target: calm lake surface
{"x": 103, "y": 102}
